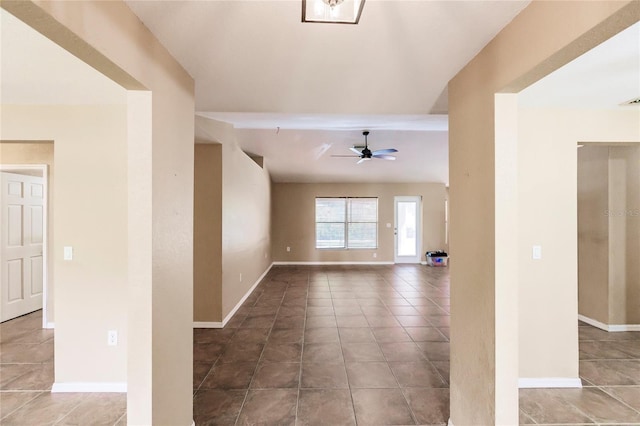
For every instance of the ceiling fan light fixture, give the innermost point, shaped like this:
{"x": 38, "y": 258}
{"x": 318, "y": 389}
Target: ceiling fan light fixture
{"x": 332, "y": 11}
{"x": 365, "y": 154}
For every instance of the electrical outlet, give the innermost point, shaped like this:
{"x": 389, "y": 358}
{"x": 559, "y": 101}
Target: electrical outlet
{"x": 375, "y": 255}
{"x": 112, "y": 338}
{"x": 288, "y": 248}
{"x": 68, "y": 253}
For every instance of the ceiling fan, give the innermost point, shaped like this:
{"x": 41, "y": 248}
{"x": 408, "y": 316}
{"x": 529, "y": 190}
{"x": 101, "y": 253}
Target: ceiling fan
{"x": 365, "y": 154}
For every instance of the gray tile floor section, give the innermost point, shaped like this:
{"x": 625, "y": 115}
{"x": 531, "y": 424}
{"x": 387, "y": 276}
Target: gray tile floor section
{"x": 333, "y": 345}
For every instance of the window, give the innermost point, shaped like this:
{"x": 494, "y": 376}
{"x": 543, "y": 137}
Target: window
{"x": 346, "y": 223}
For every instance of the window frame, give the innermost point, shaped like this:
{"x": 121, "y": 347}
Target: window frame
{"x": 346, "y": 222}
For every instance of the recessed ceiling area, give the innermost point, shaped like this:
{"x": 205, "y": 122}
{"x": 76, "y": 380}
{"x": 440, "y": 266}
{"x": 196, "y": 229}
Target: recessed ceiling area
{"x": 37, "y": 71}
{"x": 306, "y": 155}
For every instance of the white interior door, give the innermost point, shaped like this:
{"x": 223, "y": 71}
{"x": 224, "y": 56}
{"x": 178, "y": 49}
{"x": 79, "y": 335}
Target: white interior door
{"x": 407, "y": 229}
{"x": 21, "y": 240}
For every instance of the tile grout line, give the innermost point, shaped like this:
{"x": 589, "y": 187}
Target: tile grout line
{"x": 602, "y": 389}
{"x": 120, "y": 418}
{"x": 71, "y": 410}
{"x": 25, "y": 403}
{"x": 246, "y": 395}
{"x": 402, "y": 392}
{"x": 304, "y": 324}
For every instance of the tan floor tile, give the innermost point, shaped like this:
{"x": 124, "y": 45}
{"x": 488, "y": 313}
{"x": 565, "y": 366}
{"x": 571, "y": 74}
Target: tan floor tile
{"x": 325, "y": 406}
{"x": 429, "y": 406}
{"x": 381, "y": 407}
{"x": 273, "y": 406}
{"x": 97, "y": 409}
{"x": 46, "y": 409}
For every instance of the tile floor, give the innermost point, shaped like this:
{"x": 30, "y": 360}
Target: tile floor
{"x": 330, "y": 345}
{"x": 327, "y": 345}
{"x": 26, "y": 376}
{"x": 610, "y": 373}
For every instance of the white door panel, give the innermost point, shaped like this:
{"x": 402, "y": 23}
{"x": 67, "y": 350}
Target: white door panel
{"x": 408, "y": 213}
{"x": 21, "y": 240}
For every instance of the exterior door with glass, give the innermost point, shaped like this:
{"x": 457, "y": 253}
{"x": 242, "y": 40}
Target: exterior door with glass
{"x": 408, "y": 214}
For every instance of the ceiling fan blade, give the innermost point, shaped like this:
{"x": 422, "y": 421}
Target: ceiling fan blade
{"x": 349, "y": 156}
{"x": 384, "y": 156}
{"x": 355, "y": 150}
{"x": 385, "y": 151}
{"x": 362, "y": 160}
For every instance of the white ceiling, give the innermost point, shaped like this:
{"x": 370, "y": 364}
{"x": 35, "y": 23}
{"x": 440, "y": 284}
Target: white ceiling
{"x": 258, "y": 67}
{"x": 602, "y": 78}
{"x": 35, "y": 70}
{"x": 299, "y": 93}
{"x": 306, "y": 155}
{"x": 256, "y": 56}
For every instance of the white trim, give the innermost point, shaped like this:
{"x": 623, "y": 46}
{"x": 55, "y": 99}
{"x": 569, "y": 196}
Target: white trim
{"x": 197, "y": 324}
{"x": 613, "y": 328}
{"x": 50, "y": 325}
{"x": 624, "y": 327}
{"x": 550, "y": 382}
{"x": 44, "y": 168}
{"x": 419, "y": 215}
{"x": 193, "y": 423}
{"x": 120, "y": 387}
{"x": 593, "y": 322}
{"x": 449, "y": 422}
{"x": 331, "y": 263}
{"x": 246, "y": 295}
{"x": 207, "y": 324}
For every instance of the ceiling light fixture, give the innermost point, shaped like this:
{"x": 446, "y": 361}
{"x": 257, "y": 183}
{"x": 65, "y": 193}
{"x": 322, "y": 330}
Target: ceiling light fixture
{"x": 332, "y": 11}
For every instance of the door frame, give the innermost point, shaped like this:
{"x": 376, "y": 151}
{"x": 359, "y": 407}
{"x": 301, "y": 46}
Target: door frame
{"x": 418, "y": 200}
{"x": 44, "y": 169}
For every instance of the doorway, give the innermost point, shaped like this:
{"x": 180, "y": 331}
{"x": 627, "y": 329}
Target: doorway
{"x": 407, "y": 229}
{"x": 23, "y": 245}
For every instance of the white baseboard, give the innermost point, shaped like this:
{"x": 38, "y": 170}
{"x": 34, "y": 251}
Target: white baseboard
{"x": 624, "y": 327}
{"x": 332, "y": 263}
{"x": 50, "y": 325}
{"x": 609, "y": 327}
{"x": 89, "y": 387}
{"x": 449, "y": 422}
{"x": 207, "y": 324}
{"x": 550, "y": 382}
{"x": 199, "y": 324}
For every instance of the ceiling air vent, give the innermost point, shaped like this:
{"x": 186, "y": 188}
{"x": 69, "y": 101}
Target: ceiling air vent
{"x": 635, "y": 101}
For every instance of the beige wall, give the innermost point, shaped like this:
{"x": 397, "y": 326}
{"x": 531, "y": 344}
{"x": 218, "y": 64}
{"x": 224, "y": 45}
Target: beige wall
{"x": 484, "y": 391}
{"x": 160, "y": 135}
{"x": 593, "y": 232}
{"x": 207, "y": 234}
{"x": 624, "y": 234}
{"x": 246, "y": 214}
{"x": 89, "y": 214}
{"x": 14, "y": 152}
{"x": 609, "y": 233}
{"x": 547, "y": 214}
{"x": 294, "y": 219}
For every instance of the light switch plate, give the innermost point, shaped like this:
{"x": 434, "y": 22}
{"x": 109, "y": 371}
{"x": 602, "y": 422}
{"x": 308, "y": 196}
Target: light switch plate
{"x": 68, "y": 253}
{"x": 536, "y": 252}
